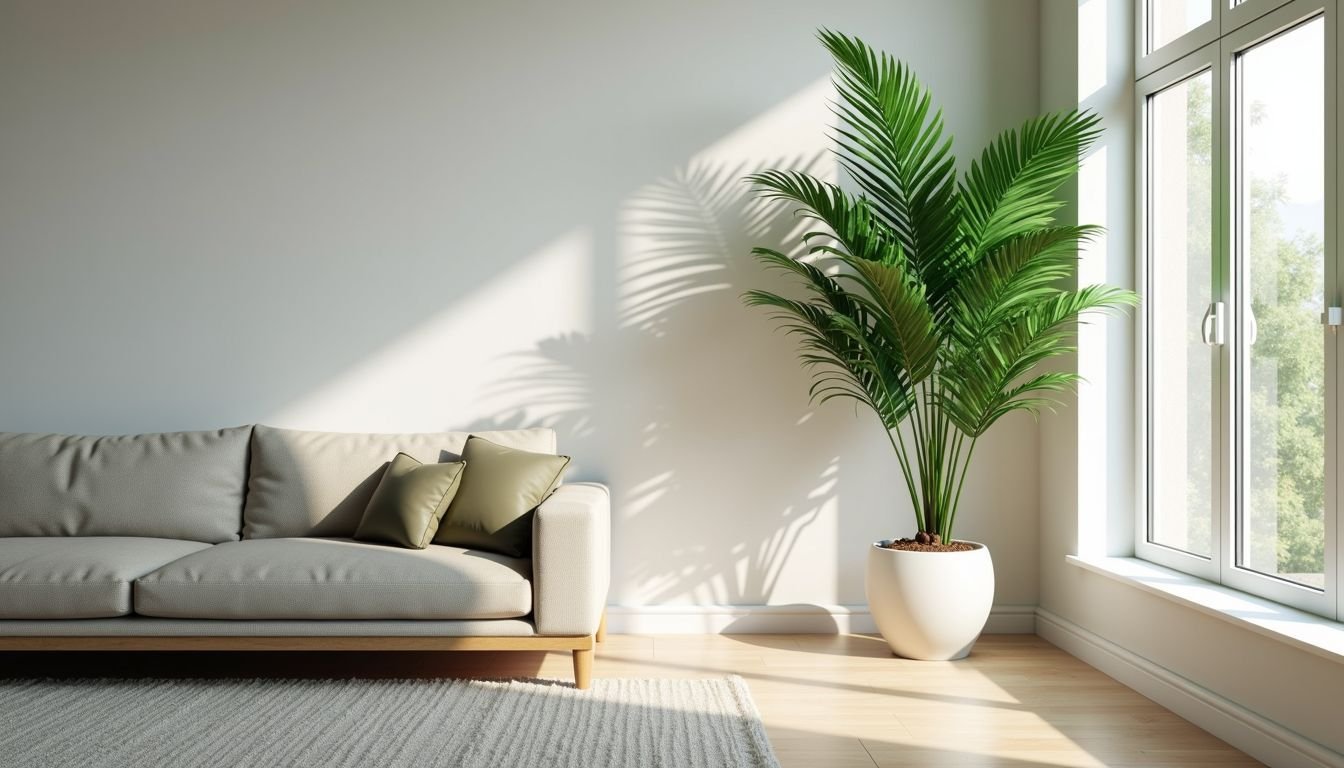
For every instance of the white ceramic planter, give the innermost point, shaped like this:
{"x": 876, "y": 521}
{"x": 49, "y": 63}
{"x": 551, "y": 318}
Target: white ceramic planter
{"x": 930, "y": 605}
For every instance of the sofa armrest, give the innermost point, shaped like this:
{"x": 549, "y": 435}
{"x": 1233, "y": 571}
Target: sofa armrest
{"x": 571, "y": 559}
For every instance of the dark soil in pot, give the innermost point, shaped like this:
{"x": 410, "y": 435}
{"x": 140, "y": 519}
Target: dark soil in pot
{"x": 914, "y": 545}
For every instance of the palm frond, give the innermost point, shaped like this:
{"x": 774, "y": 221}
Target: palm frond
{"x": 834, "y": 339}
{"x": 901, "y": 316}
{"x": 892, "y": 143}
{"x": 1010, "y": 190}
{"x": 981, "y": 382}
{"x": 1018, "y": 275}
{"x": 849, "y": 220}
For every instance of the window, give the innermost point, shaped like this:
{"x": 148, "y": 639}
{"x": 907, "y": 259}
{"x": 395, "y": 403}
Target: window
{"x": 1280, "y": 253}
{"x": 1238, "y": 275}
{"x": 1180, "y": 204}
{"x": 1170, "y": 19}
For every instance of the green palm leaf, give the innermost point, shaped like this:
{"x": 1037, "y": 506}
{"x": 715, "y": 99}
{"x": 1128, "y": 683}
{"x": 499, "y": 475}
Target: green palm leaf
{"x": 1017, "y": 276}
{"x": 901, "y": 316}
{"x": 848, "y": 220}
{"x": 983, "y": 381}
{"x": 833, "y": 330}
{"x": 1010, "y": 190}
{"x": 892, "y": 143}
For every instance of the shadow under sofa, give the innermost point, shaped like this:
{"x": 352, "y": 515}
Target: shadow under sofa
{"x": 240, "y": 539}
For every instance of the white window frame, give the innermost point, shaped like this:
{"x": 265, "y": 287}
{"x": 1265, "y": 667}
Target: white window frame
{"x": 1149, "y": 60}
{"x": 1225, "y": 16}
{"x": 1205, "y": 48}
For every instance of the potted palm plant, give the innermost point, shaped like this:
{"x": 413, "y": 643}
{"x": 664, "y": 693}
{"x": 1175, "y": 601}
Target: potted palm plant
{"x": 931, "y": 298}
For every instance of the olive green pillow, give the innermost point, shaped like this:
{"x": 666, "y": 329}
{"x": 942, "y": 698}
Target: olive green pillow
{"x": 501, "y": 488}
{"x": 409, "y": 502}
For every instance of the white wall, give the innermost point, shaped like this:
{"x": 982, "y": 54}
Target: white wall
{"x": 1258, "y": 693}
{"x": 426, "y": 215}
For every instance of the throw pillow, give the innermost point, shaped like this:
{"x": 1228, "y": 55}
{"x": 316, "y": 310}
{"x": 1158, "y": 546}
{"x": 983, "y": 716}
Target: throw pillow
{"x": 409, "y": 502}
{"x": 501, "y": 488}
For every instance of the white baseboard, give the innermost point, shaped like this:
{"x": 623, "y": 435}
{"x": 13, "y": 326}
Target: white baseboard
{"x": 1011, "y": 620}
{"x": 779, "y": 619}
{"x": 1253, "y": 734}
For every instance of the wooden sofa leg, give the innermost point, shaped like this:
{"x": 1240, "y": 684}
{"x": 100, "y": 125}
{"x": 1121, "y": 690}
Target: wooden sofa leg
{"x": 583, "y": 668}
{"x": 601, "y": 636}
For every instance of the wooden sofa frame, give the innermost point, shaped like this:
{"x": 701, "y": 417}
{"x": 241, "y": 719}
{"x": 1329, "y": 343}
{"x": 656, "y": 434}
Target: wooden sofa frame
{"x": 580, "y": 645}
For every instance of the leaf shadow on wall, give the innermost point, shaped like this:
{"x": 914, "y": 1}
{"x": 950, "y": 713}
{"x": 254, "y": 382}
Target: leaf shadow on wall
{"x": 659, "y": 386}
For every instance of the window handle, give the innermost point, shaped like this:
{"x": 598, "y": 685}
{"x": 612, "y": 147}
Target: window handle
{"x": 1211, "y": 328}
{"x": 1252, "y": 327}
{"x": 1332, "y": 318}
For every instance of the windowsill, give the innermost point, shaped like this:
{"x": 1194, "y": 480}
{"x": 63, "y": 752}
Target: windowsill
{"x": 1309, "y": 632}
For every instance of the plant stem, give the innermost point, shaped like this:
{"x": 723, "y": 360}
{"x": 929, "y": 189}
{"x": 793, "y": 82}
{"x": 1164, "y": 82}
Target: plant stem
{"x": 949, "y": 503}
{"x": 898, "y": 445}
{"x": 931, "y": 469}
{"x": 921, "y": 457}
{"x": 956, "y": 500}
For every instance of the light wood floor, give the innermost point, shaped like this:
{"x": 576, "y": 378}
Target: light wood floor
{"x": 827, "y": 701}
{"x": 845, "y": 701}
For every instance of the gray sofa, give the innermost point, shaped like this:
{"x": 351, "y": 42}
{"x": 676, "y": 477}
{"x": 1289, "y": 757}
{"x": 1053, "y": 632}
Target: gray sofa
{"x": 240, "y": 539}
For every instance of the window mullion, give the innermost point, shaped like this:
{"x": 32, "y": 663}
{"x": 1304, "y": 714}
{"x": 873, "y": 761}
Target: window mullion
{"x": 1224, "y": 223}
{"x": 1334, "y": 281}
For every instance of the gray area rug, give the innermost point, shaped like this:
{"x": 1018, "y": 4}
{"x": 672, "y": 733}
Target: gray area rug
{"x": 379, "y": 723}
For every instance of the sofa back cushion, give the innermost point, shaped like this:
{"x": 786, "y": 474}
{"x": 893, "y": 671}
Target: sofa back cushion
{"x": 173, "y": 485}
{"x": 319, "y": 483}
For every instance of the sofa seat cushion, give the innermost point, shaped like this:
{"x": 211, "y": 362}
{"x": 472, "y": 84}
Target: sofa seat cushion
{"x": 78, "y": 577}
{"x": 311, "y": 578}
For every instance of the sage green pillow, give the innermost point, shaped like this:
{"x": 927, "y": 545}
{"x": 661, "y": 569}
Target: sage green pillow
{"x": 501, "y": 488}
{"x": 409, "y": 502}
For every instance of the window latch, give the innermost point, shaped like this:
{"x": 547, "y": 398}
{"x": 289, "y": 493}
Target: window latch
{"x": 1332, "y": 318}
{"x": 1211, "y": 328}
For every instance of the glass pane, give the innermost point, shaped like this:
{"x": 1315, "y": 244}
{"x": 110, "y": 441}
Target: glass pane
{"x": 1169, "y": 19}
{"x": 1180, "y": 283}
{"x": 1281, "y": 187}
